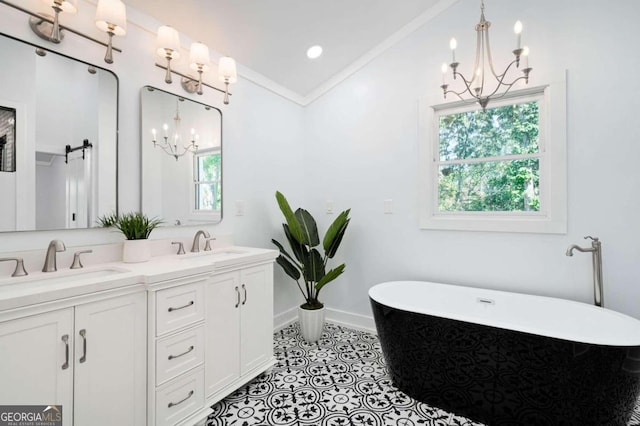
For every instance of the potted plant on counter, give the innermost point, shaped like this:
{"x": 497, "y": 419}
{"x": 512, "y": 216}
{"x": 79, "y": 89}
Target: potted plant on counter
{"x": 307, "y": 266}
{"x": 136, "y": 227}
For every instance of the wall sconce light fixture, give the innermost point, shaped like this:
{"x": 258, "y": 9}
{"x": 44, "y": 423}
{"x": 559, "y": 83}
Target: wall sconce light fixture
{"x": 199, "y": 61}
{"x": 111, "y": 17}
{"x": 227, "y": 74}
{"x": 45, "y": 29}
{"x": 168, "y": 47}
{"x": 49, "y": 28}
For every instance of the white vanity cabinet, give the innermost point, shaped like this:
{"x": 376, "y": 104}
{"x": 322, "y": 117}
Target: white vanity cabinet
{"x": 90, "y": 358}
{"x": 239, "y": 324}
{"x": 176, "y": 351}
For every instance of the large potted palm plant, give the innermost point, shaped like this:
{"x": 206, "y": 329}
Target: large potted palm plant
{"x": 307, "y": 266}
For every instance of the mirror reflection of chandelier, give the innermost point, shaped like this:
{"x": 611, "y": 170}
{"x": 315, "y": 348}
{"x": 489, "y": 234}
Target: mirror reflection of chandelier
{"x": 175, "y": 147}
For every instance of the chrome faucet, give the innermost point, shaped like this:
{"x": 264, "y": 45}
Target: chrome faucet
{"x": 50, "y": 258}
{"x": 195, "y": 247}
{"x": 596, "y": 251}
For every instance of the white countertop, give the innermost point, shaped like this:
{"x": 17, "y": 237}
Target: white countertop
{"x": 40, "y": 287}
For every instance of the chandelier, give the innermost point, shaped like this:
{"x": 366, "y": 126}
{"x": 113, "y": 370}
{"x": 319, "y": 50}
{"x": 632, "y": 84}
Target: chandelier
{"x": 175, "y": 147}
{"x": 478, "y": 85}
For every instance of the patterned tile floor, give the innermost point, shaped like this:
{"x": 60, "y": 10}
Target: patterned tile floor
{"x": 339, "y": 381}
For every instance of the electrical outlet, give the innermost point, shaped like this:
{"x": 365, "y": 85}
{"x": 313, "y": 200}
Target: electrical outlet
{"x": 239, "y": 208}
{"x": 329, "y": 207}
{"x": 388, "y": 206}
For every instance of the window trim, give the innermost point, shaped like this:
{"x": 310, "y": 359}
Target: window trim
{"x": 552, "y": 216}
{"x": 196, "y": 214}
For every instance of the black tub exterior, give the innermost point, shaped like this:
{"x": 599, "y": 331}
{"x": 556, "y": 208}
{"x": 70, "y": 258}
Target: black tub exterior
{"x": 504, "y": 377}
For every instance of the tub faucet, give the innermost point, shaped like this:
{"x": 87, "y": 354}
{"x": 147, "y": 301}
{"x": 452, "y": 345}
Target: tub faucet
{"x": 50, "y": 258}
{"x": 195, "y": 247}
{"x": 596, "y": 252}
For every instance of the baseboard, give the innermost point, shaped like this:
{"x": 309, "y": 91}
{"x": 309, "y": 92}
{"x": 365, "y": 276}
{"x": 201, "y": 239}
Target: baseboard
{"x": 350, "y": 320}
{"x": 285, "y": 319}
{"x": 335, "y": 316}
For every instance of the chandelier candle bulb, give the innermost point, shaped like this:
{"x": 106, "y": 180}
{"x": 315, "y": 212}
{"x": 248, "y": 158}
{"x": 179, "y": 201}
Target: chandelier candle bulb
{"x": 525, "y": 53}
{"x": 517, "y": 28}
{"x": 165, "y": 126}
{"x": 453, "y": 44}
{"x": 444, "y": 72}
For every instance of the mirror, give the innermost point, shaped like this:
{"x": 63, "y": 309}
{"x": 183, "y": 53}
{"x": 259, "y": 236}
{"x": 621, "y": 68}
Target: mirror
{"x": 58, "y": 140}
{"x": 181, "y": 159}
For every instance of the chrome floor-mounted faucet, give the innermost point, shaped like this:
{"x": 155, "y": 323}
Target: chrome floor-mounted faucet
{"x": 596, "y": 252}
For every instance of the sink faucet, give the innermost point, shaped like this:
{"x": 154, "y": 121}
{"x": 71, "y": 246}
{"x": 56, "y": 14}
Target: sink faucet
{"x": 50, "y": 258}
{"x": 195, "y": 247}
{"x": 596, "y": 251}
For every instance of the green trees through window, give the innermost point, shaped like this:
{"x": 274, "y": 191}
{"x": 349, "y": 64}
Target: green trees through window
{"x": 490, "y": 161}
{"x": 207, "y": 181}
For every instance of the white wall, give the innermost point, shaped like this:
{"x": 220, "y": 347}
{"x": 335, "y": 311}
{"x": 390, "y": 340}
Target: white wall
{"x": 363, "y": 137}
{"x": 361, "y": 141}
{"x": 262, "y": 136}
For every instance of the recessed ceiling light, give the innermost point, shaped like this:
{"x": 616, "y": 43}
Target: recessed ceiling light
{"x": 314, "y": 51}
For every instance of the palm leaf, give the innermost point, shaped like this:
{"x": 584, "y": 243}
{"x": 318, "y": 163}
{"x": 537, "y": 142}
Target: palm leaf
{"x": 330, "y": 276}
{"x": 292, "y": 221}
{"x": 288, "y": 267}
{"x": 332, "y": 241}
{"x": 300, "y": 251}
{"x": 313, "y": 267}
{"x": 309, "y": 227}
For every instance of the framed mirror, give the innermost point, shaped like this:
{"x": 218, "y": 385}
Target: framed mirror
{"x": 181, "y": 159}
{"x": 58, "y": 140}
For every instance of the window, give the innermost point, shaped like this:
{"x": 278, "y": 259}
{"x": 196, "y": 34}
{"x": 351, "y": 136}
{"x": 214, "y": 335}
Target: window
{"x": 499, "y": 170}
{"x": 207, "y": 181}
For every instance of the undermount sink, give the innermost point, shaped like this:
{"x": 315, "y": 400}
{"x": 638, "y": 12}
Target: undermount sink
{"x": 63, "y": 276}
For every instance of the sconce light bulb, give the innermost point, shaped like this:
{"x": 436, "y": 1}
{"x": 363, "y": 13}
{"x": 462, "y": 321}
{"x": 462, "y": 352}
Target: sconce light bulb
{"x": 445, "y": 67}
{"x": 517, "y": 28}
{"x": 453, "y": 44}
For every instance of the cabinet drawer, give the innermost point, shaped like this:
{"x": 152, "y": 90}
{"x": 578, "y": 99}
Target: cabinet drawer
{"x": 179, "y": 353}
{"x": 180, "y": 398}
{"x": 177, "y": 307}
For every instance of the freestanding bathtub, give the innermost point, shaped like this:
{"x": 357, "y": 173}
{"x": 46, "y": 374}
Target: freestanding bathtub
{"x": 508, "y": 359}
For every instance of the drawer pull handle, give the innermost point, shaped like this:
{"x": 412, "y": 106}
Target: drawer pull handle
{"x": 238, "y": 295}
{"x": 183, "y": 353}
{"x": 65, "y": 339}
{"x": 173, "y": 404}
{"x": 83, "y": 333}
{"x": 181, "y": 307}
{"x": 245, "y": 294}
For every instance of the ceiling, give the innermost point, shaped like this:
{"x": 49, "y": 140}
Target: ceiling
{"x": 271, "y": 37}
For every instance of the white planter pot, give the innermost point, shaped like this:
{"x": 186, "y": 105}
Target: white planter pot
{"x": 136, "y": 251}
{"x": 311, "y": 323}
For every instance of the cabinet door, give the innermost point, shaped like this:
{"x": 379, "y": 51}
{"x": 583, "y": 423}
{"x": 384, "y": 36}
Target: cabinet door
{"x": 223, "y": 332}
{"x": 256, "y": 321}
{"x": 110, "y": 357}
{"x": 36, "y": 363}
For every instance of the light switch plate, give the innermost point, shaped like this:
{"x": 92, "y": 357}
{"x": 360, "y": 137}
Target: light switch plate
{"x": 239, "y": 208}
